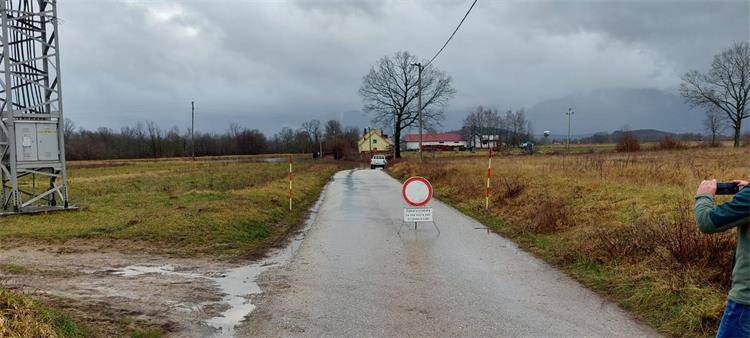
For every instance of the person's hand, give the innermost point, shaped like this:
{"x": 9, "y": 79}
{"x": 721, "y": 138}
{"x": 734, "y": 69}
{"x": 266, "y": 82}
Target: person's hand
{"x": 707, "y": 188}
{"x": 742, "y": 183}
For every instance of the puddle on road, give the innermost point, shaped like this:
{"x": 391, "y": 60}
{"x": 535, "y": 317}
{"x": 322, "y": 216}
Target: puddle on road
{"x": 236, "y": 284}
{"x": 239, "y": 283}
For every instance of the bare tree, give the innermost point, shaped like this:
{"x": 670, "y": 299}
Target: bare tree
{"x": 715, "y": 123}
{"x": 491, "y": 124}
{"x": 517, "y": 125}
{"x": 472, "y": 128}
{"x": 313, "y": 129}
{"x": 154, "y": 135}
{"x": 389, "y": 92}
{"x": 333, "y": 129}
{"x": 69, "y": 127}
{"x": 725, "y": 87}
{"x": 483, "y": 125}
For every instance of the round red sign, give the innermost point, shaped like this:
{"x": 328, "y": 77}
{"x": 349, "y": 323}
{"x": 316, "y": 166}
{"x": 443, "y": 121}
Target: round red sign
{"x": 417, "y": 191}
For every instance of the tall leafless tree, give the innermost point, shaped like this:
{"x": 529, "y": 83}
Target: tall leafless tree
{"x": 389, "y": 92}
{"x": 333, "y": 129}
{"x": 472, "y": 128}
{"x": 154, "y": 135}
{"x": 313, "y": 129}
{"x": 483, "y": 125}
{"x": 519, "y": 129}
{"x": 725, "y": 87}
{"x": 715, "y": 124}
{"x": 69, "y": 127}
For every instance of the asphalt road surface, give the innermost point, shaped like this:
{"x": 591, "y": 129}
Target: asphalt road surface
{"x": 356, "y": 275}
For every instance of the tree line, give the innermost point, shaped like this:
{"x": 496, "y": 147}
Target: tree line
{"x": 149, "y": 140}
{"x": 486, "y": 125}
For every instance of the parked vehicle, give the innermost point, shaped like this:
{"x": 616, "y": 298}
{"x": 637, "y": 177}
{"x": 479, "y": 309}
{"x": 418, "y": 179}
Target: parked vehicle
{"x": 378, "y": 161}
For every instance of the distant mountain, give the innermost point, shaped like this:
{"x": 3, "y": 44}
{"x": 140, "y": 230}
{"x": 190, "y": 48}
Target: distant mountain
{"x": 613, "y": 109}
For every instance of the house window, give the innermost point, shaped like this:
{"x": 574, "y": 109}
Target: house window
{"x": 374, "y": 141}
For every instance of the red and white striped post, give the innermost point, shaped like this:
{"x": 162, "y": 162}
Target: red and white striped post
{"x": 290, "y": 182}
{"x": 489, "y": 175}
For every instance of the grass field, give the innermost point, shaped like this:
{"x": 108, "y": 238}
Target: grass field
{"x": 620, "y": 223}
{"x": 222, "y": 207}
{"x": 209, "y": 207}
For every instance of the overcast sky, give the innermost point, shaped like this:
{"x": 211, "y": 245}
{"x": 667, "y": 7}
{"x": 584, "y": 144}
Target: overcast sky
{"x": 270, "y": 64}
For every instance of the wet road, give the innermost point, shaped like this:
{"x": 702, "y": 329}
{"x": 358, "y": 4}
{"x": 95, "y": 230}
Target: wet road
{"x": 355, "y": 275}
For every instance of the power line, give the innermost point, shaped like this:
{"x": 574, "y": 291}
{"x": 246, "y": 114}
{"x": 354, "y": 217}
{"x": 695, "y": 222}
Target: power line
{"x": 454, "y": 33}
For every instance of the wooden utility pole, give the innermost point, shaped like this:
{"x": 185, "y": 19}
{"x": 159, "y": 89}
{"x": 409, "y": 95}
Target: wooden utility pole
{"x": 419, "y": 103}
{"x": 192, "y": 130}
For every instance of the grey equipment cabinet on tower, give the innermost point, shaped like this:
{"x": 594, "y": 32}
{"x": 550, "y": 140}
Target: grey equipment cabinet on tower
{"x": 32, "y": 144}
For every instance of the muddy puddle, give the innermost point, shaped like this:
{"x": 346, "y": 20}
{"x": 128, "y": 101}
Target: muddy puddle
{"x": 186, "y": 297}
{"x": 236, "y": 284}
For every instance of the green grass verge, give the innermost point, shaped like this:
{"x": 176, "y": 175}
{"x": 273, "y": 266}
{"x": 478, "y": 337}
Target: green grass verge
{"x": 21, "y": 316}
{"x": 223, "y": 207}
{"x": 208, "y": 207}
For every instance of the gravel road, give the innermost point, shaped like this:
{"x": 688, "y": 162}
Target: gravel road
{"x": 355, "y": 274}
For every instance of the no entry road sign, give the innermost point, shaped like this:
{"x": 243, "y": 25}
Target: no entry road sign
{"x": 417, "y": 191}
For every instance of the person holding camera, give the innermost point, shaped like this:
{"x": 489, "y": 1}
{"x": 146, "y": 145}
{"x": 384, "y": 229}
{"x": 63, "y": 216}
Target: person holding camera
{"x": 713, "y": 218}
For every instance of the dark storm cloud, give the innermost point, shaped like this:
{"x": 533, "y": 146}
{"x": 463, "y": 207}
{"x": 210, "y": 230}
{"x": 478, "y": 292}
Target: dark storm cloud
{"x": 680, "y": 29}
{"x": 268, "y": 64}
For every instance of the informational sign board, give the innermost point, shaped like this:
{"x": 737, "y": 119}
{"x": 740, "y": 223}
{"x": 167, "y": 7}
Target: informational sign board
{"x": 417, "y": 191}
{"x": 413, "y": 215}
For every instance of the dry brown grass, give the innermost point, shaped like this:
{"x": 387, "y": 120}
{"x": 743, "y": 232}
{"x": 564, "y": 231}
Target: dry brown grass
{"x": 670, "y": 143}
{"x": 628, "y": 143}
{"x": 20, "y": 316}
{"x": 620, "y": 222}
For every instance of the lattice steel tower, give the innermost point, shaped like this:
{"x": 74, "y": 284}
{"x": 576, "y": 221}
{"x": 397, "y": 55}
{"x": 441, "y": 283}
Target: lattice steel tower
{"x": 32, "y": 145}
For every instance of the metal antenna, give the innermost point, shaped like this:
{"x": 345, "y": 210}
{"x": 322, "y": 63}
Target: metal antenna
{"x": 32, "y": 141}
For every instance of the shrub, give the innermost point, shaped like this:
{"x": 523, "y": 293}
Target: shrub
{"x": 671, "y": 240}
{"x": 628, "y": 143}
{"x": 670, "y": 143}
{"x": 550, "y": 215}
{"x": 513, "y": 187}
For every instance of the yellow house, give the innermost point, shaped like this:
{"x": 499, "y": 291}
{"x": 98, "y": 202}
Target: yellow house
{"x": 374, "y": 141}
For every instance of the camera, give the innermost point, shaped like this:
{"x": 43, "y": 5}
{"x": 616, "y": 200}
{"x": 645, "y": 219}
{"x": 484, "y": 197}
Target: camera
{"x": 727, "y": 188}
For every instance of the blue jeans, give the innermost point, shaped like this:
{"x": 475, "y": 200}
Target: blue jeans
{"x": 736, "y": 321}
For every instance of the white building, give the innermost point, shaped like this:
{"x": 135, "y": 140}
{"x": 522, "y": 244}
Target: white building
{"x": 486, "y": 141}
{"x": 441, "y": 141}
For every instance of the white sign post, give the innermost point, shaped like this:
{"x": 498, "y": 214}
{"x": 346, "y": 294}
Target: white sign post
{"x": 417, "y": 192}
